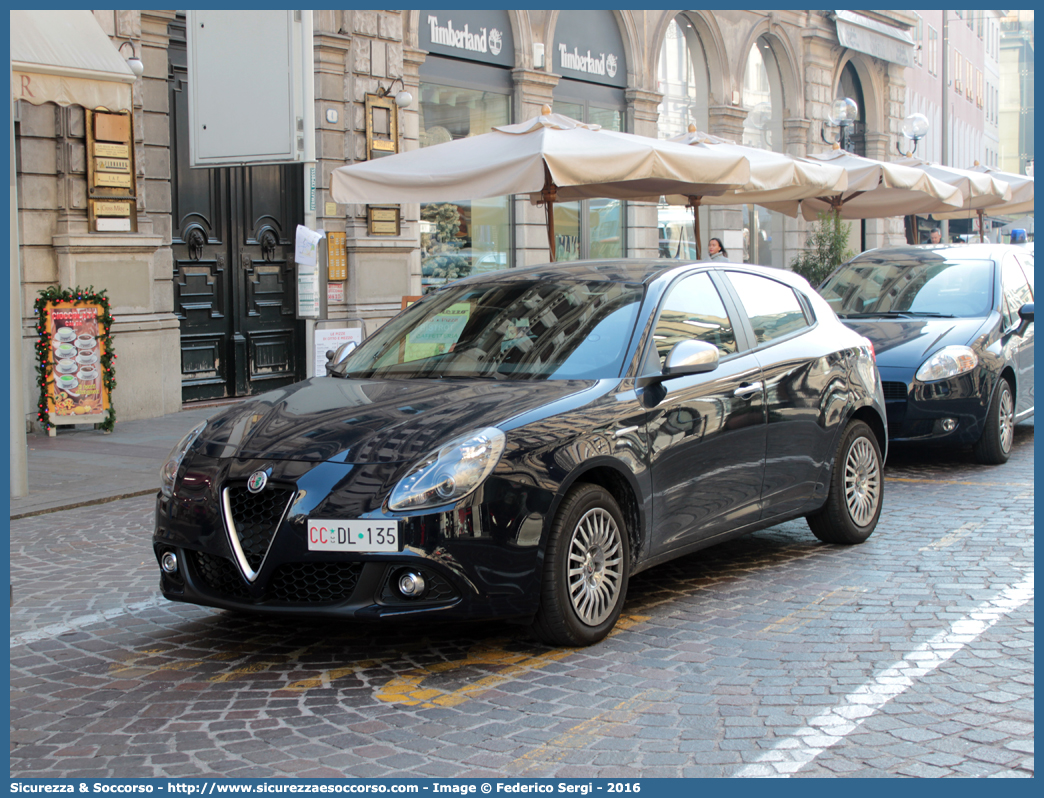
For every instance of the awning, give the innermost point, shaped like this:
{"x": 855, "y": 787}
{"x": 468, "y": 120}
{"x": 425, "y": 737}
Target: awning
{"x": 858, "y": 32}
{"x": 65, "y": 57}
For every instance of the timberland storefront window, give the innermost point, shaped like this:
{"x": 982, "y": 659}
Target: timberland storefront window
{"x": 589, "y": 54}
{"x": 465, "y": 90}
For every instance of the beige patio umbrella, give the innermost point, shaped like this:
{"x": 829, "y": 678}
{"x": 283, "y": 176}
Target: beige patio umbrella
{"x": 1021, "y": 200}
{"x": 876, "y": 189}
{"x": 980, "y": 190}
{"x": 774, "y": 177}
{"x": 551, "y": 158}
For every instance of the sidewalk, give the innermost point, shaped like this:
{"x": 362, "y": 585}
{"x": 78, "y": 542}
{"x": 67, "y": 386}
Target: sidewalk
{"x": 85, "y": 466}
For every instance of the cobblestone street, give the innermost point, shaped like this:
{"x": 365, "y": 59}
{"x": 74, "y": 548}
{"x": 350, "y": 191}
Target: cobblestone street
{"x": 911, "y": 655}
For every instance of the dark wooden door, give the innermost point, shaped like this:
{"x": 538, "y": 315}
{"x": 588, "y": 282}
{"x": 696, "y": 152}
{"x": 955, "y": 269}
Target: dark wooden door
{"x": 233, "y": 242}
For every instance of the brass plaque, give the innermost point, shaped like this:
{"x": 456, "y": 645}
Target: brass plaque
{"x": 383, "y": 221}
{"x": 112, "y": 127}
{"x": 112, "y": 164}
{"x": 105, "y": 150}
{"x": 109, "y": 179}
{"x": 111, "y": 208}
{"x": 382, "y": 126}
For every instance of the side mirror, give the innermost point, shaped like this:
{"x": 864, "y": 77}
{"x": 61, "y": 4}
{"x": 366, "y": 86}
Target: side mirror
{"x": 1026, "y": 314}
{"x": 691, "y": 357}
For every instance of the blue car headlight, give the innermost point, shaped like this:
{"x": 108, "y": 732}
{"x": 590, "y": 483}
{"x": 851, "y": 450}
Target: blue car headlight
{"x": 947, "y": 362}
{"x": 451, "y": 473}
{"x": 169, "y": 470}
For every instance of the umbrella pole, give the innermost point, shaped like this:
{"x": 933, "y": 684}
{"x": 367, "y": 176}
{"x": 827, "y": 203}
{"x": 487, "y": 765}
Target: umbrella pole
{"x": 694, "y": 203}
{"x": 981, "y": 235}
{"x": 548, "y": 195}
{"x": 550, "y": 212}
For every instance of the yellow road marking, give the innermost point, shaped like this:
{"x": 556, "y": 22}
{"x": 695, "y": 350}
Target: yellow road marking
{"x": 408, "y": 688}
{"x": 579, "y": 736}
{"x": 959, "y": 482}
{"x": 815, "y": 609}
{"x": 130, "y": 662}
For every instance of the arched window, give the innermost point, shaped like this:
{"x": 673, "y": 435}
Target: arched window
{"x": 763, "y": 239}
{"x": 683, "y": 80}
{"x": 850, "y": 86}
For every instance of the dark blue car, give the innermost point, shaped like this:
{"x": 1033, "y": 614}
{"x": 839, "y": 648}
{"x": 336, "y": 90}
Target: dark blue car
{"x": 518, "y": 445}
{"x": 952, "y": 326}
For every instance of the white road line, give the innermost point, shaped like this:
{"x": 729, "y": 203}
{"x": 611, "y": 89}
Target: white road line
{"x": 56, "y": 629}
{"x": 793, "y": 753}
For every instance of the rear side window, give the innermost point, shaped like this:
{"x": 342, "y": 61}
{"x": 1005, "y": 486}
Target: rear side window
{"x": 773, "y": 308}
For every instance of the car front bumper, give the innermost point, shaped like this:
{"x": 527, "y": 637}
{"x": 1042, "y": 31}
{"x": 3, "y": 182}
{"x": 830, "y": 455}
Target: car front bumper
{"x": 479, "y": 558}
{"x": 947, "y": 411}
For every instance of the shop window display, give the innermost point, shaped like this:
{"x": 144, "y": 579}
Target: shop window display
{"x": 604, "y": 217}
{"x": 465, "y": 237}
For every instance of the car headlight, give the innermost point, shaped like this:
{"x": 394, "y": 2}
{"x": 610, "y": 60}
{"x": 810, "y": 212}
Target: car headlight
{"x": 947, "y": 362}
{"x": 169, "y": 470}
{"x": 450, "y": 473}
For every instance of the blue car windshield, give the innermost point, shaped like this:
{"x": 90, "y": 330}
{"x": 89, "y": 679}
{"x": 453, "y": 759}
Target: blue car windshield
{"x": 505, "y": 329}
{"x": 926, "y": 285}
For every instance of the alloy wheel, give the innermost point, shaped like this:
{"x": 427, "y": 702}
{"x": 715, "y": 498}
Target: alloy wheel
{"x": 595, "y": 568}
{"x": 1006, "y": 419}
{"x": 862, "y": 482}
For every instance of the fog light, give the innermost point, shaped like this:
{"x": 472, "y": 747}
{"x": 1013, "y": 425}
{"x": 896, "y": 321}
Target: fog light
{"x": 946, "y": 425}
{"x": 169, "y": 562}
{"x": 411, "y": 584}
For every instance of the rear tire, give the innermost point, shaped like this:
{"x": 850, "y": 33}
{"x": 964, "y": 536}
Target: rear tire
{"x": 586, "y": 565}
{"x": 853, "y": 504}
{"x": 994, "y": 446}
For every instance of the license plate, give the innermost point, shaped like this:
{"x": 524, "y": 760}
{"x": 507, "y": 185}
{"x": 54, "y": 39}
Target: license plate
{"x": 362, "y": 536}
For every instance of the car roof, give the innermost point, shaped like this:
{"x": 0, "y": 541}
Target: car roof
{"x": 627, "y": 270}
{"x": 915, "y": 251}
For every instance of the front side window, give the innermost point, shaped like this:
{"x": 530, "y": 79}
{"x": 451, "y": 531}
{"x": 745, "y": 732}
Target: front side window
{"x": 773, "y": 308}
{"x": 464, "y": 237}
{"x": 518, "y": 329}
{"x": 693, "y": 311}
{"x": 928, "y": 285}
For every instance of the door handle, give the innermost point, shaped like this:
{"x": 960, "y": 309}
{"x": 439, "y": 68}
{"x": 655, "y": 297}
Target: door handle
{"x": 745, "y": 391}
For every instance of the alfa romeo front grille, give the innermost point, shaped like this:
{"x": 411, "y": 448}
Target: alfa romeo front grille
{"x": 314, "y": 583}
{"x": 292, "y": 583}
{"x": 220, "y": 575}
{"x": 252, "y": 520}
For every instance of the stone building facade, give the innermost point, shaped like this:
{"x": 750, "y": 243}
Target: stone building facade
{"x": 610, "y": 67}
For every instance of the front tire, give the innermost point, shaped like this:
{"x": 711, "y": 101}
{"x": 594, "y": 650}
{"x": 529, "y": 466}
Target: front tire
{"x": 853, "y": 504}
{"x": 994, "y": 446}
{"x": 586, "y": 568}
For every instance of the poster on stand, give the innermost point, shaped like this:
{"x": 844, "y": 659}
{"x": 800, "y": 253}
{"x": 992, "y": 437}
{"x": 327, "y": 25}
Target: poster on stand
{"x": 76, "y": 392}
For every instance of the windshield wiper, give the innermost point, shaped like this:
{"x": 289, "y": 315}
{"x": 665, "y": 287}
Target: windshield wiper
{"x": 931, "y": 313}
{"x": 881, "y": 314}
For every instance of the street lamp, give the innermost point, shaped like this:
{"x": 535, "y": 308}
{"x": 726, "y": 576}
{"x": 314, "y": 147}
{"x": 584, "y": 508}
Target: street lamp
{"x": 915, "y": 128}
{"x": 843, "y": 114}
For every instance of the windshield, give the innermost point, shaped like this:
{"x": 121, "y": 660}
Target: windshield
{"x": 514, "y": 329}
{"x": 925, "y": 285}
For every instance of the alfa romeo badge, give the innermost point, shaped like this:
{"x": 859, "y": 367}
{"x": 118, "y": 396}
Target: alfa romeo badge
{"x": 257, "y": 482}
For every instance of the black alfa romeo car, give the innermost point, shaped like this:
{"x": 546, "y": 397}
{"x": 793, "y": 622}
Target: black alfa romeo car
{"x": 518, "y": 445}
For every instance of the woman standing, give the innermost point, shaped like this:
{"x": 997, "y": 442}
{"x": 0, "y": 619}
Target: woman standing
{"x": 716, "y": 250}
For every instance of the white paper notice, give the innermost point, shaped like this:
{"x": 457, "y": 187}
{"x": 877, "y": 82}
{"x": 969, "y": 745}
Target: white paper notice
{"x": 325, "y": 340}
{"x": 307, "y": 251}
